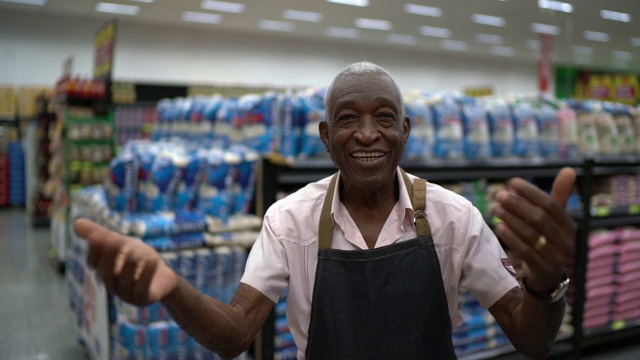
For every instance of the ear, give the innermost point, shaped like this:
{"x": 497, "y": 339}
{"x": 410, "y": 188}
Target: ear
{"x": 407, "y": 128}
{"x": 323, "y": 127}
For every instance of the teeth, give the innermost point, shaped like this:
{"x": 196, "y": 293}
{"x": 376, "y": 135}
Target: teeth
{"x": 368, "y": 155}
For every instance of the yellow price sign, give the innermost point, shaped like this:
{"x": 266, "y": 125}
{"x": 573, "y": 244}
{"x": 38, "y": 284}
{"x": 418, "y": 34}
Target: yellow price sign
{"x": 603, "y": 211}
{"x": 618, "y": 325}
{"x": 634, "y": 209}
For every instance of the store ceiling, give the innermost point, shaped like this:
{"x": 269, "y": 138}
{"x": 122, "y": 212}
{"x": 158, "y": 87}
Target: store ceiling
{"x": 454, "y": 31}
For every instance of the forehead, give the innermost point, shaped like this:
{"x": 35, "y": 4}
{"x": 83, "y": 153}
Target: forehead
{"x": 364, "y": 87}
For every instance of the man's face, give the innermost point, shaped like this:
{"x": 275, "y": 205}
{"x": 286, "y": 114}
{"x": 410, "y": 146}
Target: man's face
{"x": 365, "y": 132}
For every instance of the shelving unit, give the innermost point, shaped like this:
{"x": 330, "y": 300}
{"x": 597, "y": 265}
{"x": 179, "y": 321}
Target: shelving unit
{"x": 278, "y": 176}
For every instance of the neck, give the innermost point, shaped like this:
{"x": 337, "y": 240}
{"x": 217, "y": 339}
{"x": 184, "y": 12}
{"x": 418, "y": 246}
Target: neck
{"x": 369, "y": 199}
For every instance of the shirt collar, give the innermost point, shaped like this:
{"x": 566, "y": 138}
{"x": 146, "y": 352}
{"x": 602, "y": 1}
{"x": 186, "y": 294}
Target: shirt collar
{"x": 404, "y": 199}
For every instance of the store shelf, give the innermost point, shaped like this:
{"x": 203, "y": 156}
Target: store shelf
{"x": 618, "y": 332}
{"x": 84, "y": 142}
{"x": 559, "y": 350}
{"x": 615, "y": 165}
{"x": 8, "y": 122}
{"x": 615, "y": 221}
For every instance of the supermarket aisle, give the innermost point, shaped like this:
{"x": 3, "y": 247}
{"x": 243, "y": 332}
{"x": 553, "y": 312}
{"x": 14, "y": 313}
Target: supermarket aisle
{"x": 34, "y": 318}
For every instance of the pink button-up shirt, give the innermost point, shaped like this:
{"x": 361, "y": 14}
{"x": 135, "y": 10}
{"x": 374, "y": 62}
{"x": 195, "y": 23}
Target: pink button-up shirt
{"x": 285, "y": 253}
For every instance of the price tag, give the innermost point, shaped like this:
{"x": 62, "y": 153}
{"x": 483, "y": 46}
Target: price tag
{"x": 618, "y": 325}
{"x": 603, "y": 211}
{"x": 634, "y": 209}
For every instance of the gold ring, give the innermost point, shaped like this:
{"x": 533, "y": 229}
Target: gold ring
{"x": 542, "y": 242}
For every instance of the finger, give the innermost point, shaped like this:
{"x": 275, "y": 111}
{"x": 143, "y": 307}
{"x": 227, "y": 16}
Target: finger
{"x": 128, "y": 276}
{"x": 96, "y": 235}
{"x": 106, "y": 267}
{"x": 141, "y": 291}
{"x": 537, "y": 197}
{"x": 529, "y": 236}
{"x": 563, "y": 186}
{"x": 519, "y": 248}
{"x": 536, "y": 218}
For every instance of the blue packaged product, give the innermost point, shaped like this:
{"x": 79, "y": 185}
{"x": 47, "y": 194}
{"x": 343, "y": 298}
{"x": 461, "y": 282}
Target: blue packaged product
{"x": 245, "y": 177}
{"x": 281, "y": 308}
{"x": 186, "y": 263}
{"x": 548, "y": 130}
{"x": 448, "y": 129}
{"x": 161, "y": 346}
{"x": 288, "y": 127}
{"x": 283, "y": 341}
{"x": 420, "y": 142}
{"x": 188, "y": 222}
{"x": 132, "y": 341}
{"x": 290, "y": 353}
{"x": 187, "y": 189}
{"x": 161, "y": 186}
{"x": 122, "y": 183}
{"x": 525, "y": 129}
{"x": 282, "y": 326}
{"x": 216, "y": 193}
{"x": 228, "y": 122}
{"x": 171, "y": 259}
{"x": 257, "y": 113}
{"x": 204, "y": 262}
{"x": 222, "y": 262}
{"x": 476, "y": 131}
{"x": 501, "y": 130}
{"x": 182, "y": 342}
{"x": 314, "y": 113}
{"x": 162, "y": 243}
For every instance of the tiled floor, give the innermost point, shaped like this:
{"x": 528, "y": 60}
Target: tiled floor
{"x": 35, "y": 323}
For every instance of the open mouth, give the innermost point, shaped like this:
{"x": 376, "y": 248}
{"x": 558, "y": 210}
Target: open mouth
{"x": 368, "y": 156}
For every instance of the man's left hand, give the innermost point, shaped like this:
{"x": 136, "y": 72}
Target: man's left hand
{"x": 537, "y": 228}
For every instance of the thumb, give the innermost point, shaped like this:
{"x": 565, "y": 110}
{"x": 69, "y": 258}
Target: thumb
{"x": 96, "y": 235}
{"x": 563, "y": 186}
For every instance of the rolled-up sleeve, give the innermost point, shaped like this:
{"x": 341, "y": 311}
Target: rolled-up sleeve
{"x": 485, "y": 270}
{"x": 267, "y": 269}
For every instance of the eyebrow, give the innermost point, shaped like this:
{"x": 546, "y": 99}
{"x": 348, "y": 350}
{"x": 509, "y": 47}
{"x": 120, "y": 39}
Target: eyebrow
{"x": 379, "y": 100}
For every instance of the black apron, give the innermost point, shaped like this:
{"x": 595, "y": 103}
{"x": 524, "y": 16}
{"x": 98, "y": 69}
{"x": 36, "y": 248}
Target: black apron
{"x": 383, "y": 303}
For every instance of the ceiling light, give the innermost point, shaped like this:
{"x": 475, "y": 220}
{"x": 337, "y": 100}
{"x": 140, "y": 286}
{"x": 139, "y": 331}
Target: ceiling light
{"x": 502, "y": 50}
{"x": 144, "y": 1}
{"x": 222, "y": 6}
{"x": 276, "y": 25}
{"x": 28, "y": 2}
{"x": 533, "y": 44}
{"x": 487, "y": 20}
{"x": 615, "y": 15}
{"x": 348, "y": 33}
{"x": 582, "y": 50}
{"x": 117, "y": 8}
{"x": 302, "y": 15}
{"x": 620, "y": 64}
{"x": 373, "y": 24}
{"x": 555, "y": 5}
{"x": 622, "y": 55}
{"x": 201, "y": 17}
{"x": 361, "y": 3}
{"x": 635, "y": 41}
{"x": 596, "y": 36}
{"x": 454, "y": 45}
{"x": 401, "y": 39}
{"x": 545, "y": 29}
{"x": 435, "y": 31}
{"x": 422, "y": 10}
{"x": 489, "y": 39}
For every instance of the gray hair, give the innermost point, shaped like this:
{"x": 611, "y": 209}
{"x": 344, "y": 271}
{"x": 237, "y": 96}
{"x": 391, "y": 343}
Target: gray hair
{"x": 361, "y": 68}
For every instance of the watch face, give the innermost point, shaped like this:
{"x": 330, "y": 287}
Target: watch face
{"x": 560, "y": 290}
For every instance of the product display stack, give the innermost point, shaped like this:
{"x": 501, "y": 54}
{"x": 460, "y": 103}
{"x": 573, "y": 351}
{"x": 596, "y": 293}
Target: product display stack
{"x": 17, "y": 174}
{"x": 4, "y": 178}
{"x": 133, "y": 122}
{"x": 285, "y": 347}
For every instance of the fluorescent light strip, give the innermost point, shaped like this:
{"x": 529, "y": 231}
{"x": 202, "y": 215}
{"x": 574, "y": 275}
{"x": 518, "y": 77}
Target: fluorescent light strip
{"x": 454, "y": 45}
{"x": 144, "y": 1}
{"x": 533, "y": 44}
{"x": 488, "y": 20}
{"x": 435, "y": 32}
{"x": 361, "y": 3}
{"x": 201, "y": 17}
{"x": 489, "y": 39}
{"x": 555, "y": 5}
{"x": 502, "y": 50}
{"x": 28, "y": 2}
{"x": 302, "y": 15}
{"x": 545, "y": 29}
{"x": 348, "y": 33}
{"x": 615, "y": 16}
{"x": 635, "y": 41}
{"x": 223, "y": 6}
{"x": 374, "y": 24}
{"x": 596, "y": 36}
{"x": 401, "y": 39}
{"x": 117, "y": 8}
{"x": 422, "y": 10}
{"x": 582, "y": 50}
{"x": 620, "y": 64}
{"x": 622, "y": 55}
{"x": 274, "y": 25}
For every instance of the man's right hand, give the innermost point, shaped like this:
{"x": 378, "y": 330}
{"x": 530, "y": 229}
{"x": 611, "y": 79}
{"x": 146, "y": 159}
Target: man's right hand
{"x": 129, "y": 268}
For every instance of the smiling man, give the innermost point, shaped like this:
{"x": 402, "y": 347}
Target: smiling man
{"x": 373, "y": 257}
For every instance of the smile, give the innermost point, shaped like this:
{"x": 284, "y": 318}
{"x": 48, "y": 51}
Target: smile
{"x": 368, "y": 156}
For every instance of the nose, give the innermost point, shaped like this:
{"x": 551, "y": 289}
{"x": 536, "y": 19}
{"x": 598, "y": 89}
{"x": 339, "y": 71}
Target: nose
{"x": 367, "y": 131}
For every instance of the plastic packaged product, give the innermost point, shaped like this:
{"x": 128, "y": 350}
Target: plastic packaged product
{"x": 421, "y": 138}
{"x": 283, "y": 341}
{"x": 183, "y": 343}
{"x": 448, "y": 128}
{"x": 567, "y": 132}
{"x": 228, "y": 123}
{"x": 163, "y": 180}
{"x": 160, "y": 345}
{"x": 286, "y": 138}
{"x": 216, "y": 192}
{"x": 526, "y": 136}
{"x": 245, "y": 178}
{"x": 256, "y": 113}
{"x": 476, "y": 131}
{"x": 624, "y": 123}
{"x": 314, "y": 112}
{"x": 549, "y": 132}
{"x": 121, "y": 184}
{"x": 500, "y": 129}
{"x": 131, "y": 341}
{"x": 187, "y": 189}
{"x": 608, "y": 136}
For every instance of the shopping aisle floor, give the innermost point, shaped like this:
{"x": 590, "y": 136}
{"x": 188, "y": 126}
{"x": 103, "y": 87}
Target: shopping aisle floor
{"x": 35, "y": 323}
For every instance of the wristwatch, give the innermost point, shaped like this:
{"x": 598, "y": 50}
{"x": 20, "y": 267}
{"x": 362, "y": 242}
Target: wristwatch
{"x": 556, "y": 294}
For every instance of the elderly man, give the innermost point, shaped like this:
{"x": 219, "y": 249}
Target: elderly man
{"x": 373, "y": 257}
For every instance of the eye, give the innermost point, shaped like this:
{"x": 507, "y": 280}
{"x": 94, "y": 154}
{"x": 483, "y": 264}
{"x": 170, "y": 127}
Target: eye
{"x": 346, "y": 117}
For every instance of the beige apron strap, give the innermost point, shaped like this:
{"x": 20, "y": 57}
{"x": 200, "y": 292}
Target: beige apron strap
{"x": 326, "y": 224}
{"x": 418, "y": 191}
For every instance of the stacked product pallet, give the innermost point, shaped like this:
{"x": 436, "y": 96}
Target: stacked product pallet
{"x": 285, "y": 347}
{"x": 133, "y": 122}
{"x": 17, "y": 174}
